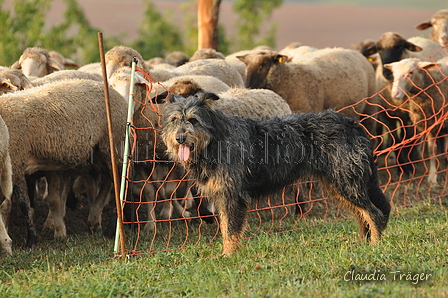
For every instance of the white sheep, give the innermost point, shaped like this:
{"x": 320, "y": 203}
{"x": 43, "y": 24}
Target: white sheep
{"x": 426, "y": 85}
{"x": 207, "y": 54}
{"x": 331, "y": 78}
{"x": 392, "y": 47}
{"x": 206, "y": 83}
{"x": 65, "y": 75}
{"x": 57, "y": 127}
{"x": 93, "y": 68}
{"x": 439, "y": 25}
{"x": 37, "y": 62}
{"x": 162, "y": 72}
{"x": 5, "y": 188}
{"x": 212, "y": 67}
{"x": 296, "y": 50}
{"x": 250, "y": 103}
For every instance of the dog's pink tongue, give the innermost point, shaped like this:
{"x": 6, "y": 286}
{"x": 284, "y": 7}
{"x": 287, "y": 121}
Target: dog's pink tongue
{"x": 184, "y": 152}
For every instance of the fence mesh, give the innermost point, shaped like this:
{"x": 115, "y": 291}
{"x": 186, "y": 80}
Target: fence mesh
{"x": 163, "y": 211}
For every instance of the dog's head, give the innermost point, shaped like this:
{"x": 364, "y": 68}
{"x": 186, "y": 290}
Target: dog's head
{"x": 188, "y": 125}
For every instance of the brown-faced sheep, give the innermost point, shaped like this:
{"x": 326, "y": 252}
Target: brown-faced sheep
{"x": 426, "y": 85}
{"x": 439, "y": 25}
{"x": 122, "y": 56}
{"x": 364, "y": 45}
{"x": 13, "y": 80}
{"x": 56, "y": 127}
{"x": 392, "y": 47}
{"x": 5, "y": 188}
{"x": 37, "y": 62}
{"x": 328, "y": 79}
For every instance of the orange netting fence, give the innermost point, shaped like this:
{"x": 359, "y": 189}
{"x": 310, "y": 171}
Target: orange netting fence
{"x": 163, "y": 211}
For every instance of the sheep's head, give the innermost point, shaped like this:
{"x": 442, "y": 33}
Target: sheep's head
{"x": 120, "y": 56}
{"x": 410, "y": 74}
{"x": 258, "y": 65}
{"x": 439, "y": 25}
{"x": 12, "y": 80}
{"x": 391, "y": 48}
{"x": 36, "y": 62}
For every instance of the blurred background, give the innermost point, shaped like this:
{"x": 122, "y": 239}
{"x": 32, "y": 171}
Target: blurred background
{"x": 154, "y": 28}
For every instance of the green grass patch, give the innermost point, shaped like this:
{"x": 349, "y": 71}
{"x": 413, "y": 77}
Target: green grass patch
{"x": 322, "y": 260}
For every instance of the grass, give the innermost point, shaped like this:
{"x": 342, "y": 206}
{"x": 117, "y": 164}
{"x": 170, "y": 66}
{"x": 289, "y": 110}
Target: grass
{"x": 316, "y": 261}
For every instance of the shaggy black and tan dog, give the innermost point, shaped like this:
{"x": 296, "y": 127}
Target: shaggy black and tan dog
{"x": 235, "y": 160}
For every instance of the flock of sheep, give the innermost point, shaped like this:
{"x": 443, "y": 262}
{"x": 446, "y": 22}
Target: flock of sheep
{"x": 53, "y": 120}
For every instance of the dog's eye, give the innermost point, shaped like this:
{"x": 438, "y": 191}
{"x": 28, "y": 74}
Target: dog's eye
{"x": 193, "y": 121}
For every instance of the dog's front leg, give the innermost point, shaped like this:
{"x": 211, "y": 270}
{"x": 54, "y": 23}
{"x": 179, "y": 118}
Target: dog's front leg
{"x": 233, "y": 219}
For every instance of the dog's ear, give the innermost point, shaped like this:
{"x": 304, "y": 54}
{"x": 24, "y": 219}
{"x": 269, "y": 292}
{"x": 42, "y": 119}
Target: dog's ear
{"x": 171, "y": 98}
{"x": 162, "y": 98}
{"x": 207, "y": 98}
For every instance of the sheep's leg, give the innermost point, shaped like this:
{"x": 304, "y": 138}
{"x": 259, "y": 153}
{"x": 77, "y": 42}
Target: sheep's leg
{"x": 5, "y": 210}
{"x": 98, "y": 204}
{"x": 432, "y": 151}
{"x": 58, "y": 187}
{"x": 20, "y": 194}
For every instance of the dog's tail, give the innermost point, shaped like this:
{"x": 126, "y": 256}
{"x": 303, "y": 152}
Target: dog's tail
{"x": 377, "y": 197}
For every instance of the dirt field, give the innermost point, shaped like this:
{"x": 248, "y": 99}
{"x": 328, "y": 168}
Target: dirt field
{"x": 318, "y": 25}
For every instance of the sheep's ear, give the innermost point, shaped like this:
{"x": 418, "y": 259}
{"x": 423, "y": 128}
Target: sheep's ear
{"x": 412, "y": 47}
{"x": 280, "y": 58}
{"x": 70, "y": 63}
{"x": 242, "y": 58}
{"x": 428, "y": 65}
{"x": 16, "y": 65}
{"x": 54, "y": 64}
{"x": 370, "y": 51}
{"x": 423, "y": 26}
{"x": 5, "y": 84}
{"x": 388, "y": 66}
{"x": 26, "y": 84}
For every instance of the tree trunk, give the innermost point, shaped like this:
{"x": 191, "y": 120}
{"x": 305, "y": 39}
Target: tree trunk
{"x": 208, "y": 24}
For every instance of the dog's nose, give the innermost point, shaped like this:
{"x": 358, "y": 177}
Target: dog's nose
{"x": 181, "y": 139}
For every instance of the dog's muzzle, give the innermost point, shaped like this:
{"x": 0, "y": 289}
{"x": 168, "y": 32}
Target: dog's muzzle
{"x": 181, "y": 138}
{"x": 184, "y": 149}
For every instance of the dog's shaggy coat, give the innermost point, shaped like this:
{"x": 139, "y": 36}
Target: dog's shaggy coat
{"x": 236, "y": 159}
